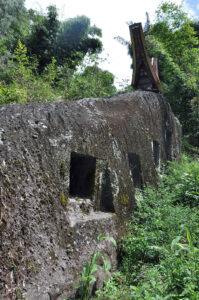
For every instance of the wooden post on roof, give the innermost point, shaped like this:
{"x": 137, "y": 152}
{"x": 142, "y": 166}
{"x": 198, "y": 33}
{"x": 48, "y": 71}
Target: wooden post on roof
{"x": 145, "y": 71}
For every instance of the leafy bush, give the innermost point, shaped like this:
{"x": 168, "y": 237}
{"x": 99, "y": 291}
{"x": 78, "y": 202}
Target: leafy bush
{"x": 88, "y": 81}
{"x": 183, "y": 182}
{"x": 88, "y": 273}
{"x": 22, "y": 83}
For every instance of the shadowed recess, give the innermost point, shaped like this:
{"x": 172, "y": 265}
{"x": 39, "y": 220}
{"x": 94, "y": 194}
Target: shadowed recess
{"x": 156, "y": 153}
{"x": 82, "y": 175}
{"x": 106, "y": 203}
{"x": 135, "y": 167}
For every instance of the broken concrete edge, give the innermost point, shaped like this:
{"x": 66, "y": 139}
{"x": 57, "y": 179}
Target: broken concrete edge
{"x": 68, "y": 173}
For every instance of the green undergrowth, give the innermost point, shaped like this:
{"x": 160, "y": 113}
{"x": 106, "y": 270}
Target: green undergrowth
{"x": 21, "y": 82}
{"x": 160, "y": 254}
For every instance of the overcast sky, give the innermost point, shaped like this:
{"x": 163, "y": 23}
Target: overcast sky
{"x": 111, "y": 16}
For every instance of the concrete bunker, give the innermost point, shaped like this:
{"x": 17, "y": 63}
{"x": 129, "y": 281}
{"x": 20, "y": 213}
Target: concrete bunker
{"x": 136, "y": 171}
{"x": 82, "y": 175}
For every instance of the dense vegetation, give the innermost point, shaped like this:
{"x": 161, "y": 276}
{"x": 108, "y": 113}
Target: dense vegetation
{"x": 43, "y": 59}
{"x": 173, "y": 39}
{"x": 160, "y": 253}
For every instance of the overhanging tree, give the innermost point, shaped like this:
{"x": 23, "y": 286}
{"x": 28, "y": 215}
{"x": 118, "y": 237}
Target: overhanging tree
{"x": 63, "y": 40}
{"x": 42, "y": 40}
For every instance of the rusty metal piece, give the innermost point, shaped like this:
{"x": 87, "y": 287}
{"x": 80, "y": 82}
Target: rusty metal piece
{"x": 145, "y": 70}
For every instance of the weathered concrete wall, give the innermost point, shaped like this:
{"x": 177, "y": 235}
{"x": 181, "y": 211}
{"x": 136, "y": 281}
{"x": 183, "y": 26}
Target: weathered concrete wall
{"x": 67, "y": 173}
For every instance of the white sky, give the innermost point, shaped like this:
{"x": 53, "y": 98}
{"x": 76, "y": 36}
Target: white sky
{"x": 111, "y": 16}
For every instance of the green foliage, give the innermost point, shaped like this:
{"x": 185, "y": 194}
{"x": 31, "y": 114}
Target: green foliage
{"x": 50, "y": 37}
{"x": 88, "y": 273}
{"x": 13, "y": 21}
{"x": 115, "y": 288}
{"x": 174, "y": 30}
{"x": 160, "y": 253}
{"x": 173, "y": 40}
{"x": 22, "y": 83}
{"x": 194, "y": 135}
{"x": 52, "y": 60}
{"x": 189, "y": 149}
{"x": 42, "y": 40}
{"x": 86, "y": 81}
{"x": 77, "y": 34}
{"x": 178, "y": 88}
{"x": 183, "y": 182}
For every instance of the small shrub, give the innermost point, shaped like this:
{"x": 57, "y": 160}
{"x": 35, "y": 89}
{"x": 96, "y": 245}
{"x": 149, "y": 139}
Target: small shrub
{"x": 88, "y": 276}
{"x": 183, "y": 181}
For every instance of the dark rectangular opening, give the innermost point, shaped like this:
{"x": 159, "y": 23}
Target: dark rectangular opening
{"x": 82, "y": 175}
{"x": 156, "y": 153}
{"x": 106, "y": 203}
{"x": 136, "y": 171}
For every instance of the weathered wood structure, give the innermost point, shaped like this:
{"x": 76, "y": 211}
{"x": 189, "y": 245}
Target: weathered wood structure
{"x": 145, "y": 70}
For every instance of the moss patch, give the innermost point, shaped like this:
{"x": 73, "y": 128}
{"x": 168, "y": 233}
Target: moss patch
{"x": 63, "y": 201}
{"x": 124, "y": 200}
{"x": 63, "y": 170}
